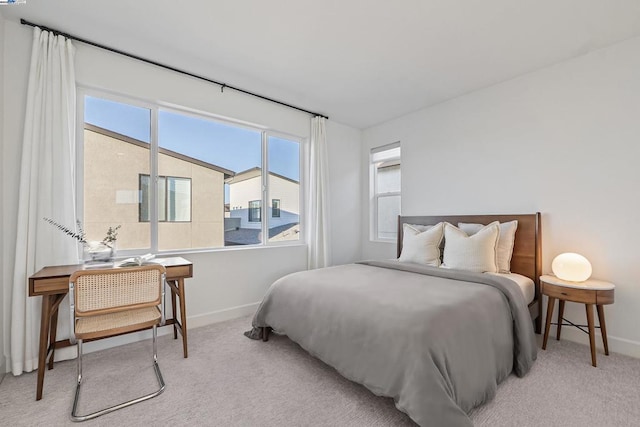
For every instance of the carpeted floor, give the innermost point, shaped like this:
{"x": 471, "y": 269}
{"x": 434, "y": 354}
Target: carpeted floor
{"x": 229, "y": 380}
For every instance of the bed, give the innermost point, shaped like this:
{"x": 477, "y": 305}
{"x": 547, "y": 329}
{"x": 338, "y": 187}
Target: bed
{"x": 436, "y": 340}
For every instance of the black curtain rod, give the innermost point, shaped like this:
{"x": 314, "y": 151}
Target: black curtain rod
{"x": 223, "y": 86}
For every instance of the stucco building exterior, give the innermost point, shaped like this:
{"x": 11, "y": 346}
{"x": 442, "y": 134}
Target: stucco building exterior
{"x": 116, "y": 171}
{"x": 283, "y": 210}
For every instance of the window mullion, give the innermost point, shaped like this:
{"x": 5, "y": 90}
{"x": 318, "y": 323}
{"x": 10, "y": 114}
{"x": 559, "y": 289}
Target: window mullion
{"x": 265, "y": 190}
{"x": 80, "y": 158}
{"x": 153, "y": 165}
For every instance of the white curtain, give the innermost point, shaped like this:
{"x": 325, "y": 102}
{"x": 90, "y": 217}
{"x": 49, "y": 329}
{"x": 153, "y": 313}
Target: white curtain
{"x": 47, "y": 189}
{"x": 318, "y": 201}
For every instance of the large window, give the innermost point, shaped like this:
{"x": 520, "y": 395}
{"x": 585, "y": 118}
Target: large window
{"x": 385, "y": 191}
{"x": 193, "y": 182}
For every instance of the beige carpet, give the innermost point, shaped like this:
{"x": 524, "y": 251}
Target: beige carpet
{"x": 229, "y": 380}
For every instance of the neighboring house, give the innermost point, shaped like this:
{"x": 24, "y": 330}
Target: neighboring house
{"x": 283, "y": 212}
{"x": 191, "y": 194}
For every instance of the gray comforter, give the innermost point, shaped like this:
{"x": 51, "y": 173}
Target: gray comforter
{"x": 437, "y": 341}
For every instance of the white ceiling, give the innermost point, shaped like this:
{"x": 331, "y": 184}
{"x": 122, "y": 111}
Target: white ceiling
{"x": 358, "y": 61}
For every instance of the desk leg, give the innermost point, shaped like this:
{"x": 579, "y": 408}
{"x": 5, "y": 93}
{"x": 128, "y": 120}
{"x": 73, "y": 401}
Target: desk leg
{"x": 550, "y": 305}
{"x": 183, "y": 316}
{"x": 45, "y": 324}
{"x": 175, "y": 313}
{"x": 603, "y": 328}
{"x": 52, "y": 336}
{"x": 592, "y": 333}
{"x": 560, "y": 316}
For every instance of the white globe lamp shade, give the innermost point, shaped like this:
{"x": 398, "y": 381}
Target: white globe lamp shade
{"x": 571, "y": 267}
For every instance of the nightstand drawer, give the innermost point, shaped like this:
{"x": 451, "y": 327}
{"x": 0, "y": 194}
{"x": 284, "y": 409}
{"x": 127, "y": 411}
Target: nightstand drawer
{"x": 587, "y": 296}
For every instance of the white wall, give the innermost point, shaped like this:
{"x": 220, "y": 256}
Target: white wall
{"x": 345, "y": 187}
{"x": 565, "y": 141}
{"x": 222, "y": 286}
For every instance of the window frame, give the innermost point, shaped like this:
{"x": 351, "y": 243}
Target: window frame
{"x": 375, "y": 196}
{"x": 154, "y": 107}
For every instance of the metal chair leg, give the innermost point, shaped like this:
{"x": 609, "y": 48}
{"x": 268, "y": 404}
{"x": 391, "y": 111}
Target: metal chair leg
{"x": 156, "y": 368}
{"x": 155, "y": 360}
{"x": 79, "y": 361}
{"x": 155, "y": 347}
{"x": 79, "y": 380}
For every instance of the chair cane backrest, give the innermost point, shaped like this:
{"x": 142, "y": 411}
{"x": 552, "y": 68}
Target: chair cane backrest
{"x": 116, "y": 289}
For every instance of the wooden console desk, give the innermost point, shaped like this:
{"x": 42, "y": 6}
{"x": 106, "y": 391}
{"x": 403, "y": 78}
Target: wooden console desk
{"x": 52, "y": 283}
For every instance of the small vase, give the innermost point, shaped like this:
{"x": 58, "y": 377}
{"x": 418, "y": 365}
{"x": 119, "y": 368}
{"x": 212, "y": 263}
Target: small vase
{"x": 95, "y": 251}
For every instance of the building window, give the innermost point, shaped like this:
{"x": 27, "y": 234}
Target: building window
{"x": 275, "y": 208}
{"x": 211, "y": 174}
{"x": 174, "y": 199}
{"x": 385, "y": 191}
{"x": 255, "y": 211}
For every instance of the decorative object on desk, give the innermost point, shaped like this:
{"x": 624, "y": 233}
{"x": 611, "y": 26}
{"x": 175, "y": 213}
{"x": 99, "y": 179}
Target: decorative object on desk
{"x": 79, "y": 235}
{"x": 137, "y": 261}
{"x": 572, "y": 267}
{"x": 93, "y": 251}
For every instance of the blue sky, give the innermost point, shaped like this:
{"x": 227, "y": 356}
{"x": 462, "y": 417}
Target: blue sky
{"x": 230, "y": 147}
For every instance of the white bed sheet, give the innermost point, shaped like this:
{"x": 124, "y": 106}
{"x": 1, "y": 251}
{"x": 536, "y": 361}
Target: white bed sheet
{"x": 524, "y": 283}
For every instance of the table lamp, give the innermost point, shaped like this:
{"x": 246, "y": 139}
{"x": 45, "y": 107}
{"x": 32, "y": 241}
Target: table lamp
{"x": 571, "y": 267}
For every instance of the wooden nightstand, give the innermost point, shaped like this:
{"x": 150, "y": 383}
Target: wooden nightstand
{"x": 590, "y": 293}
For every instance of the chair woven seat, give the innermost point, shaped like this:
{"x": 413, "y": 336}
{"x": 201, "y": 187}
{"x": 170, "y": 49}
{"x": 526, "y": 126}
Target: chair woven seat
{"x": 116, "y": 323}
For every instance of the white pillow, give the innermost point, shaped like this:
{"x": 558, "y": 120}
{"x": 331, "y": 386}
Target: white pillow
{"x": 422, "y": 247}
{"x": 420, "y": 227}
{"x": 505, "y": 241}
{"x": 474, "y": 253}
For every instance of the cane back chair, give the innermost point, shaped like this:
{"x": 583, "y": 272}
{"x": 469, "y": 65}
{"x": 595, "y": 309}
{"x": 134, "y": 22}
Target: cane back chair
{"x": 115, "y": 301}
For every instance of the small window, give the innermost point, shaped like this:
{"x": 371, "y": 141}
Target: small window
{"x": 275, "y": 208}
{"x": 385, "y": 186}
{"x": 255, "y": 210}
{"x": 174, "y": 199}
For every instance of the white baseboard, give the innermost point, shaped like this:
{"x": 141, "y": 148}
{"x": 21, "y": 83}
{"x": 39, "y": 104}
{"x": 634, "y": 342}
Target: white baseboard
{"x": 616, "y": 344}
{"x": 192, "y": 322}
{"x": 222, "y": 315}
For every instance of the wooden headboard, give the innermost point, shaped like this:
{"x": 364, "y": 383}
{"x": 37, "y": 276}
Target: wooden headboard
{"x": 527, "y": 253}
